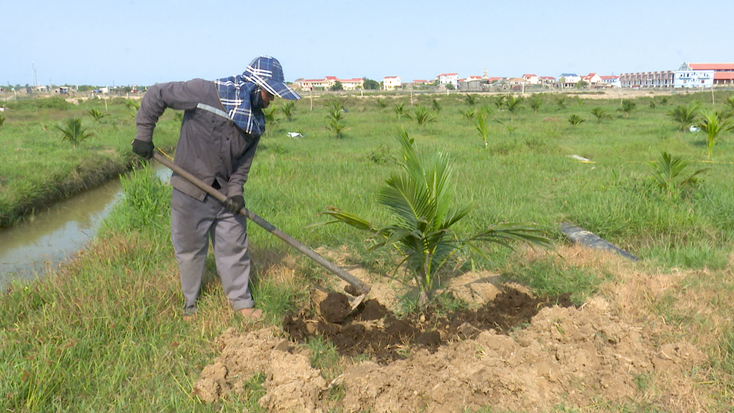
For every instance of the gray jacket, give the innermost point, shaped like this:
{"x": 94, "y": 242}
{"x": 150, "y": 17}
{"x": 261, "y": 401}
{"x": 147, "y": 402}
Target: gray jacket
{"x": 211, "y": 147}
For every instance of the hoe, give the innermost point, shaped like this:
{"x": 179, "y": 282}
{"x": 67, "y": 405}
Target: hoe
{"x": 360, "y": 289}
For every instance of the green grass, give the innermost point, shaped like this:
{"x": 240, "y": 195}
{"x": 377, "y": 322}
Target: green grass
{"x": 40, "y": 167}
{"x": 105, "y": 333}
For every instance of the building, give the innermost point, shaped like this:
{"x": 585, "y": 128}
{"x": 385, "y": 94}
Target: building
{"x": 610, "y": 81}
{"x": 663, "y": 78}
{"x": 694, "y": 75}
{"x": 568, "y": 79}
{"x": 547, "y": 80}
{"x": 446, "y": 78}
{"x": 531, "y": 79}
{"x": 327, "y": 83}
{"x": 592, "y": 79}
{"x": 391, "y": 83}
{"x": 472, "y": 84}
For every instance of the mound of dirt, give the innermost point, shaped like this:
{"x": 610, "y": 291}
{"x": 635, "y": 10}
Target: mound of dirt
{"x": 516, "y": 352}
{"x": 375, "y": 331}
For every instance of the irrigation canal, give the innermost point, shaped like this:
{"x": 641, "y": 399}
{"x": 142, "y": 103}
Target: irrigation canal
{"x": 40, "y": 244}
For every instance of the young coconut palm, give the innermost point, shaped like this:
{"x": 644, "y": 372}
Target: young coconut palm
{"x": 420, "y": 199}
{"x": 73, "y": 131}
{"x": 685, "y": 116}
{"x": 714, "y": 124}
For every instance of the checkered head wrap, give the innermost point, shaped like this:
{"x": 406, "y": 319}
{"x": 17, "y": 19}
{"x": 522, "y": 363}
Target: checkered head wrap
{"x": 234, "y": 92}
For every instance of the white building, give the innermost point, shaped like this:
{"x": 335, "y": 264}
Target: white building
{"x": 531, "y": 78}
{"x": 611, "y": 81}
{"x": 391, "y": 83}
{"x": 446, "y": 78}
{"x": 693, "y": 78}
{"x": 694, "y": 75}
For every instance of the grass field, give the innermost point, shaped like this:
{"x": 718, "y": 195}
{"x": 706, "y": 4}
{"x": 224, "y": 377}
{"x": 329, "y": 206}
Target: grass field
{"x": 104, "y": 333}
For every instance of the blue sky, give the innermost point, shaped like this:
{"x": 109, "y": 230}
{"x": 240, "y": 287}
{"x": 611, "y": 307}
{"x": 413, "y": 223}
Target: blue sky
{"x": 142, "y": 42}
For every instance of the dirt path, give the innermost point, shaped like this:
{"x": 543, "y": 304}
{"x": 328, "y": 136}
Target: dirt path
{"x": 513, "y": 351}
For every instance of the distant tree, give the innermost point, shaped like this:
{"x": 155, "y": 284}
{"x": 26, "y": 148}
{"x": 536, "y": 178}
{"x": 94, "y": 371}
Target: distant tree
{"x": 370, "y": 84}
{"x": 450, "y": 86}
{"x": 581, "y": 85}
{"x": 336, "y": 86}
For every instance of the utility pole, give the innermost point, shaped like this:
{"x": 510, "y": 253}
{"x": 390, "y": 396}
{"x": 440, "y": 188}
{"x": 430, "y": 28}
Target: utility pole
{"x": 33, "y": 65}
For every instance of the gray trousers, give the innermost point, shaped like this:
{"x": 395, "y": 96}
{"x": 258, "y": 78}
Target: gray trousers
{"x": 193, "y": 224}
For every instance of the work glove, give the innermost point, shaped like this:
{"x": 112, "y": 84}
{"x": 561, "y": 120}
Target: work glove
{"x": 143, "y": 149}
{"x": 234, "y": 203}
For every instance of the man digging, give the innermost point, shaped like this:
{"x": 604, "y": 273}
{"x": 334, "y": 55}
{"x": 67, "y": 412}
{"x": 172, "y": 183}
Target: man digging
{"x": 222, "y": 125}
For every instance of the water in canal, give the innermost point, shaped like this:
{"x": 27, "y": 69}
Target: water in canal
{"x": 31, "y": 249}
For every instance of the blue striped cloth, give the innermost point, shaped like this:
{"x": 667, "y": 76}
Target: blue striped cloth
{"x": 234, "y": 92}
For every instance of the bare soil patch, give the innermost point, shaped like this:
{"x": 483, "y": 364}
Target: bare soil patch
{"x": 511, "y": 350}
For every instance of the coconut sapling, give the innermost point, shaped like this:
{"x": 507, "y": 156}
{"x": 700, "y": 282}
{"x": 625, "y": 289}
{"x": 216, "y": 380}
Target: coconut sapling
{"x": 420, "y": 199}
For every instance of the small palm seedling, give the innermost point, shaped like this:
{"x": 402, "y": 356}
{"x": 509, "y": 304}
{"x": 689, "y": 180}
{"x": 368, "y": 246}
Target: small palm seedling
{"x": 509, "y": 126}
{"x": 73, "y": 131}
{"x": 575, "y": 120}
{"x": 436, "y": 106}
{"x": 729, "y": 102}
{"x": 178, "y": 116}
{"x": 480, "y": 122}
{"x": 469, "y": 114}
{"x": 420, "y": 199}
{"x": 2, "y": 120}
{"x": 399, "y": 110}
{"x": 561, "y": 102}
{"x": 335, "y": 117}
{"x": 714, "y": 124}
{"x": 270, "y": 118}
{"x": 600, "y": 114}
{"x": 535, "y": 102}
{"x": 628, "y": 106}
{"x": 288, "y": 108}
{"x": 132, "y": 107}
{"x": 499, "y": 102}
{"x": 513, "y": 104}
{"x": 423, "y": 116}
{"x": 668, "y": 175}
{"x": 685, "y": 116}
{"x": 471, "y": 99}
{"x": 96, "y": 114}
{"x": 381, "y": 104}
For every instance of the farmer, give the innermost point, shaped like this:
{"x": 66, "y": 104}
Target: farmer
{"x": 222, "y": 125}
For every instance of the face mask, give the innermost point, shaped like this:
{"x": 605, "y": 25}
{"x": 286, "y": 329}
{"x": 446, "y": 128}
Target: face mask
{"x": 256, "y": 99}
